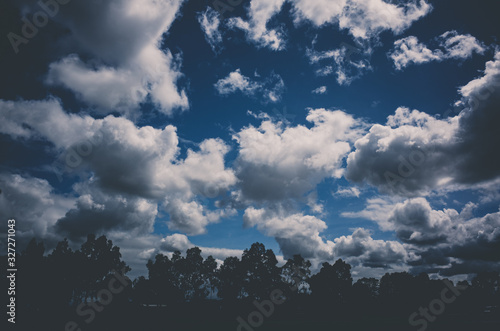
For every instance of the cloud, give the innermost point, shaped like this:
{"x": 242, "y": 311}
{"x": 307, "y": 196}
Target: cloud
{"x": 181, "y": 243}
{"x": 277, "y": 162}
{"x": 448, "y": 241}
{"x": 376, "y": 209}
{"x": 295, "y": 233}
{"x": 209, "y": 21}
{"x": 415, "y": 222}
{"x": 122, "y": 40}
{"x": 193, "y": 218}
{"x": 260, "y": 13}
{"x": 361, "y": 249}
{"x": 300, "y": 234}
{"x": 460, "y": 46}
{"x": 347, "y": 192}
{"x": 235, "y": 81}
{"x": 318, "y": 12}
{"x": 33, "y": 203}
{"x": 415, "y": 153}
{"x": 403, "y": 157}
{"x": 409, "y": 50}
{"x": 100, "y": 213}
{"x": 119, "y": 158}
{"x": 270, "y": 89}
{"x": 319, "y": 90}
{"x": 454, "y": 46}
{"x": 348, "y": 62}
{"x": 362, "y": 18}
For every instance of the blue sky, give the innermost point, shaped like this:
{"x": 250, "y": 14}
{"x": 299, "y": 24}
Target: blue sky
{"x": 355, "y": 129}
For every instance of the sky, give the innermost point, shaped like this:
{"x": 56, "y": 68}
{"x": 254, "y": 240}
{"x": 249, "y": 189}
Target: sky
{"x": 364, "y": 130}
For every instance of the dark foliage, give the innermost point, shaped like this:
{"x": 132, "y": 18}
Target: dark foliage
{"x": 87, "y": 289}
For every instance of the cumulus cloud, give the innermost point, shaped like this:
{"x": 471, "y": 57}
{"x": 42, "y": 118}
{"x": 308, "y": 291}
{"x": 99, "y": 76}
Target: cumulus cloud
{"x": 33, "y": 203}
{"x": 403, "y": 157}
{"x": 122, "y": 38}
{"x": 300, "y": 234}
{"x": 295, "y": 233}
{"x": 277, "y": 162}
{"x": 269, "y": 89}
{"x": 192, "y": 217}
{"x": 448, "y": 241}
{"x": 362, "y": 18}
{"x": 415, "y": 153}
{"x": 260, "y": 13}
{"x": 125, "y": 160}
{"x": 361, "y": 248}
{"x": 210, "y": 22}
{"x": 415, "y": 222}
{"x": 409, "y": 50}
{"x": 100, "y": 213}
{"x": 454, "y": 46}
{"x": 459, "y": 46}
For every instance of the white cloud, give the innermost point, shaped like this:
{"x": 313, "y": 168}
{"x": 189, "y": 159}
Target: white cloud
{"x": 235, "y": 81}
{"x": 33, "y": 203}
{"x": 361, "y": 248}
{"x": 318, "y": 12}
{"x": 300, "y": 234}
{"x": 368, "y": 18}
{"x": 415, "y": 153}
{"x": 409, "y": 50}
{"x": 260, "y": 13}
{"x": 124, "y": 38}
{"x": 347, "y": 62}
{"x": 460, "y": 46}
{"x": 319, "y": 90}
{"x": 450, "y": 241}
{"x": 179, "y": 242}
{"x": 191, "y": 217}
{"x": 133, "y": 163}
{"x": 348, "y": 192}
{"x": 295, "y": 233}
{"x": 362, "y": 18}
{"x": 209, "y": 21}
{"x": 270, "y": 88}
{"x": 277, "y": 162}
{"x": 376, "y": 209}
{"x": 454, "y": 46}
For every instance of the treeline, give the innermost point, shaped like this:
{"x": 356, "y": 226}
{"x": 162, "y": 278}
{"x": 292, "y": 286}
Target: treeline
{"x": 87, "y": 289}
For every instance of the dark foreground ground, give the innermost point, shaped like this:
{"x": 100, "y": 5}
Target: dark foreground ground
{"x": 213, "y": 316}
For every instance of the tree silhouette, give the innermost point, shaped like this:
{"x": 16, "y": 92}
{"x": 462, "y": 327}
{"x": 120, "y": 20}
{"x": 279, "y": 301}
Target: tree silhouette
{"x": 333, "y": 283}
{"x": 64, "y": 274}
{"x": 193, "y": 281}
{"x": 180, "y": 287}
{"x": 209, "y": 272}
{"x": 295, "y": 274}
{"x": 260, "y": 272}
{"x": 98, "y": 259}
{"x": 163, "y": 285}
{"x": 230, "y": 279}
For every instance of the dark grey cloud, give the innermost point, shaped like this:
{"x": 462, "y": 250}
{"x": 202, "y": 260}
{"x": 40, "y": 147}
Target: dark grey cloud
{"x": 415, "y": 153}
{"x": 438, "y": 240}
{"x": 98, "y": 213}
{"x": 33, "y": 203}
